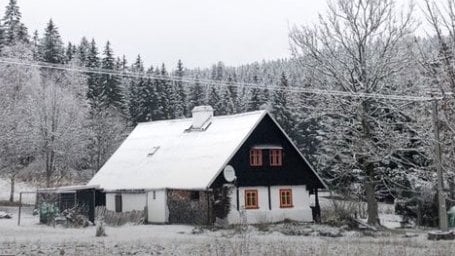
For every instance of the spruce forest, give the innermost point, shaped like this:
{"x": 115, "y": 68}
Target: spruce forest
{"x": 59, "y": 126}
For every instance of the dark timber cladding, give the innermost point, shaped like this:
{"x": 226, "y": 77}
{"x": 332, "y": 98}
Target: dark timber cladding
{"x": 88, "y": 199}
{"x": 293, "y": 171}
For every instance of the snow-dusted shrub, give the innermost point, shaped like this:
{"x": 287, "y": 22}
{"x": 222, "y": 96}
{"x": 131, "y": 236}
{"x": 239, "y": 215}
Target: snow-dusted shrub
{"x": 340, "y": 213}
{"x": 222, "y": 201}
{"x": 48, "y": 212}
{"x": 100, "y": 229}
{"x": 420, "y": 208}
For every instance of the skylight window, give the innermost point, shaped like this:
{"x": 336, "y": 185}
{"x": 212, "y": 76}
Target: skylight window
{"x": 153, "y": 151}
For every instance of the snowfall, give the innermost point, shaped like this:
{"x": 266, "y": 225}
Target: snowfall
{"x": 31, "y": 238}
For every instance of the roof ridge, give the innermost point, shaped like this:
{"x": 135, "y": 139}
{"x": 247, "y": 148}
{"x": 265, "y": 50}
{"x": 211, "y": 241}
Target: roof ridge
{"x": 214, "y": 117}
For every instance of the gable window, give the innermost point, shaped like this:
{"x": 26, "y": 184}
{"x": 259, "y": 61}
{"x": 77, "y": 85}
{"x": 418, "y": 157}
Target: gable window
{"x": 118, "y": 203}
{"x": 286, "y": 198}
{"x": 276, "y": 157}
{"x": 256, "y": 157}
{"x": 251, "y": 199}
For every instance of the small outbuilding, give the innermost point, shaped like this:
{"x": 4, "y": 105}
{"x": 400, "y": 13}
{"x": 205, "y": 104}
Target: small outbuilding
{"x": 85, "y": 198}
{"x": 238, "y": 168}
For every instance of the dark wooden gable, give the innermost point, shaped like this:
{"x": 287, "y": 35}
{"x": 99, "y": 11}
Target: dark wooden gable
{"x": 294, "y": 169}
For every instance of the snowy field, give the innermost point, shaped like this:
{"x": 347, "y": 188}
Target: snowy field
{"x": 33, "y": 239}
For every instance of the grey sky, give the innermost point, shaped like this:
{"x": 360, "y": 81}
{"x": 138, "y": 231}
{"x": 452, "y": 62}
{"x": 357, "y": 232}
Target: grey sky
{"x": 200, "y": 32}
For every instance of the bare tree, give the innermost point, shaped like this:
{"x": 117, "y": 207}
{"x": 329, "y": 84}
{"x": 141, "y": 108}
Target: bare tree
{"x": 438, "y": 61}
{"x": 16, "y": 82}
{"x": 107, "y": 129}
{"x": 359, "y": 46}
{"x": 59, "y": 112}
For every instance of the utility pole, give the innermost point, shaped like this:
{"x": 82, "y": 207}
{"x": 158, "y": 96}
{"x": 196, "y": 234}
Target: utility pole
{"x": 443, "y": 225}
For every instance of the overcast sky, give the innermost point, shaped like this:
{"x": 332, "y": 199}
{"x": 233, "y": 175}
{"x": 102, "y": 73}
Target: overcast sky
{"x": 200, "y": 32}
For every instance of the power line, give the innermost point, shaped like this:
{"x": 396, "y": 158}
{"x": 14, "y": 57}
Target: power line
{"x": 192, "y": 80}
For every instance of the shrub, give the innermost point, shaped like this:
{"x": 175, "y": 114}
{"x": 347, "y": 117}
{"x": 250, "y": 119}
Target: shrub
{"x": 340, "y": 213}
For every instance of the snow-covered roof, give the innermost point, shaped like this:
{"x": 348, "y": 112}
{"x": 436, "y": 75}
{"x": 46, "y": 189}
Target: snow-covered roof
{"x": 72, "y": 188}
{"x": 163, "y": 154}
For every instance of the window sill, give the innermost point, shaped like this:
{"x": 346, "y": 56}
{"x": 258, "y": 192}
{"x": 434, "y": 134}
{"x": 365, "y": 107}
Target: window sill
{"x": 251, "y": 208}
{"x": 289, "y": 206}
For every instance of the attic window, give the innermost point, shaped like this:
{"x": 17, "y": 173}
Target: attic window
{"x": 276, "y": 157}
{"x": 153, "y": 151}
{"x": 255, "y": 157}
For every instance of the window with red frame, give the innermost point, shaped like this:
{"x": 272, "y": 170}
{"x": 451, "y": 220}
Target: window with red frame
{"x": 276, "y": 157}
{"x": 251, "y": 199}
{"x": 285, "y": 198}
{"x": 256, "y": 157}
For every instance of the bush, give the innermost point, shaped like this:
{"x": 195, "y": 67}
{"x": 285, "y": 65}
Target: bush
{"x": 48, "y": 212}
{"x": 340, "y": 213}
{"x": 422, "y": 209}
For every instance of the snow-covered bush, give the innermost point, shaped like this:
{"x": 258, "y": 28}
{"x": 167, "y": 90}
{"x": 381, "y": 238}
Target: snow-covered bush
{"x": 48, "y": 212}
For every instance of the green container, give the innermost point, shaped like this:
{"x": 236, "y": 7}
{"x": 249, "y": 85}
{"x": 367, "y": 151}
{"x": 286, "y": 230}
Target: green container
{"x": 451, "y": 215}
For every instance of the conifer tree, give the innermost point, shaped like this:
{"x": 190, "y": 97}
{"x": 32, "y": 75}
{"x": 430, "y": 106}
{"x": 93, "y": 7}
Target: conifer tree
{"x": 94, "y": 93}
{"x": 83, "y": 51}
{"x": 179, "y": 93}
{"x": 2, "y": 37}
{"x": 70, "y": 52}
{"x": 219, "y": 71}
{"x": 110, "y": 84}
{"x": 14, "y": 30}
{"x": 134, "y": 101}
{"x": 214, "y": 100}
{"x": 233, "y": 95}
{"x": 152, "y": 107}
{"x": 166, "y": 94}
{"x": 281, "y": 110}
{"x": 255, "y": 100}
{"x": 142, "y": 98}
{"x": 197, "y": 95}
{"x": 159, "y": 87}
{"x": 226, "y": 105}
{"x": 51, "y": 45}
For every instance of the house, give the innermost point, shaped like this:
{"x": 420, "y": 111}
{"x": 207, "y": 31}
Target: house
{"x": 175, "y": 170}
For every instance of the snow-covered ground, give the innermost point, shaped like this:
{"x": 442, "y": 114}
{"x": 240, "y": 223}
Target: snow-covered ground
{"x": 33, "y": 239}
{"x": 5, "y": 188}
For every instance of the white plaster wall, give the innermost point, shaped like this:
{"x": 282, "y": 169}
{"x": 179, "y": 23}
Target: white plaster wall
{"x": 133, "y": 201}
{"x": 130, "y": 201}
{"x": 158, "y": 211}
{"x": 300, "y": 211}
{"x": 110, "y": 201}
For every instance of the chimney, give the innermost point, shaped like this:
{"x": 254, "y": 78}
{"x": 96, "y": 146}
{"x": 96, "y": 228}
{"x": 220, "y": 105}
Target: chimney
{"x": 202, "y": 117}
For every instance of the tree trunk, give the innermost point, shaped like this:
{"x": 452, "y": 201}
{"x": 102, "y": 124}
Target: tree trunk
{"x": 370, "y": 192}
{"x": 372, "y": 204}
{"x": 452, "y": 190}
{"x": 11, "y": 195}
